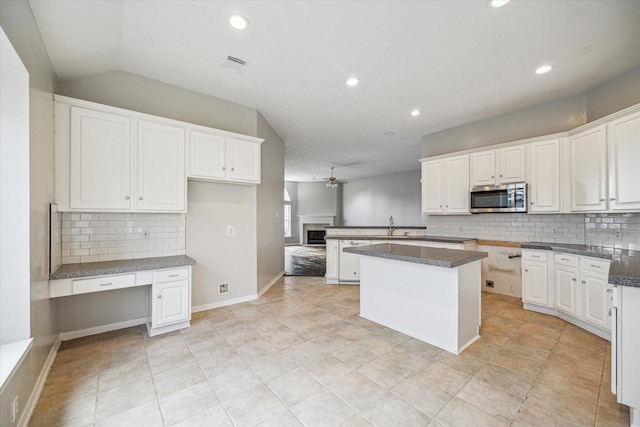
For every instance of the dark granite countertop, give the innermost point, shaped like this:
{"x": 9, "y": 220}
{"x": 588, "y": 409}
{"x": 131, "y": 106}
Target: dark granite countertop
{"x": 447, "y": 258}
{"x": 401, "y": 237}
{"x": 625, "y": 264}
{"x": 72, "y": 271}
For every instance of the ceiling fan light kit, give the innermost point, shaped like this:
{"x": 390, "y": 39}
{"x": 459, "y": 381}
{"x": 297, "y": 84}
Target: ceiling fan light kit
{"x": 332, "y": 182}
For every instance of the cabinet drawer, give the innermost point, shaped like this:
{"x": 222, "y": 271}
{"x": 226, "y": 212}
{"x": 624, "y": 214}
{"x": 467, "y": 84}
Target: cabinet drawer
{"x": 172, "y": 275}
{"x": 595, "y": 264}
{"x": 568, "y": 260}
{"x": 105, "y": 283}
{"x": 535, "y": 255}
{"x": 144, "y": 278}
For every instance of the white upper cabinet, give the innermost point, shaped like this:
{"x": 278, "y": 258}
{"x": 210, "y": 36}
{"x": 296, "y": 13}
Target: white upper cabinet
{"x": 161, "y": 175}
{"x": 99, "y": 148}
{"x": 501, "y": 166}
{"x": 445, "y": 186}
{"x": 221, "y": 158}
{"x": 623, "y": 139}
{"x": 207, "y": 155}
{"x": 544, "y": 176}
{"x": 588, "y": 166}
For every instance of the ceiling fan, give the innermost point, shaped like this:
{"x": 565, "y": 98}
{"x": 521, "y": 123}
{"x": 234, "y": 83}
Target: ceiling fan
{"x": 332, "y": 181}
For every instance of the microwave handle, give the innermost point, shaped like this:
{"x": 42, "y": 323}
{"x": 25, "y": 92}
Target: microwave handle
{"x": 513, "y": 198}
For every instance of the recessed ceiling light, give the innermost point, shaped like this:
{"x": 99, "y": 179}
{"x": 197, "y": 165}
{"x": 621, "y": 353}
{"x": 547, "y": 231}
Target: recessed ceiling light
{"x": 543, "y": 69}
{"x": 353, "y": 81}
{"x": 415, "y": 113}
{"x": 238, "y": 22}
{"x": 388, "y": 134}
{"x": 499, "y": 3}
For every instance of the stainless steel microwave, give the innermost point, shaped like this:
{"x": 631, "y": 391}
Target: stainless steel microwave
{"x": 499, "y": 198}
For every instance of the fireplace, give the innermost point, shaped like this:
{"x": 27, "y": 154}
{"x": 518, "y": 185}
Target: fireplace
{"x": 313, "y": 223}
{"x": 316, "y": 237}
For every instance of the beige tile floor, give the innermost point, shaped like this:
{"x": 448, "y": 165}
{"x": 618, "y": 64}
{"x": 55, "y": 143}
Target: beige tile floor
{"x": 301, "y": 355}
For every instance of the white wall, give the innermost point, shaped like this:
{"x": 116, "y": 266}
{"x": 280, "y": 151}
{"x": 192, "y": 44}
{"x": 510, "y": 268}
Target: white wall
{"x": 19, "y": 25}
{"x": 270, "y": 218}
{"x": 371, "y": 201}
{"x": 614, "y": 95}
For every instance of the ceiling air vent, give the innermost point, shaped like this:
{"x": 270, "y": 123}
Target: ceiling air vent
{"x": 235, "y": 65}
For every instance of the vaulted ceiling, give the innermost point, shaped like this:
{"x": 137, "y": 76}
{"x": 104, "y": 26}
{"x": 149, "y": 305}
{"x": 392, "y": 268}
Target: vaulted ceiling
{"x": 455, "y": 61}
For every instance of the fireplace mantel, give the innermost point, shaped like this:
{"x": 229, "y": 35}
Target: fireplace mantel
{"x": 313, "y": 219}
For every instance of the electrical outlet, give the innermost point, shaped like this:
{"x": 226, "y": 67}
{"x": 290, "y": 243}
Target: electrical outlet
{"x": 617, "y": 234}
{"x": 231, "y": 230}
{"x": 145, "y": 233}
{"x": 223, "y": 288}
{"x": 14, "y": 409}
{"x": 554, "y": 230}
{"x": 489, "y": 283}
{"x": 512, "y": 287}
{"x": 459, "y": 228}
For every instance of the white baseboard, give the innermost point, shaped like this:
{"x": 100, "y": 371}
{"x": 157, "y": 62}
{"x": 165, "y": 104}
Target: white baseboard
{"x": 64, "y": 336}
{"x": 224, "y": 303}
{"x": 37, "y": 390}
{"x": 270, "y": 284}
{"x": 238, "y": 300}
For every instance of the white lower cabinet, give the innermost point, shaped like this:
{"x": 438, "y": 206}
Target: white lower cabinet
{"x": 332, "y": 260}
{"x": 349, "y": 267}
{"x": 535, "y": 278}
{"x": 578, "y": 291}
{"x": 170, "y": 301}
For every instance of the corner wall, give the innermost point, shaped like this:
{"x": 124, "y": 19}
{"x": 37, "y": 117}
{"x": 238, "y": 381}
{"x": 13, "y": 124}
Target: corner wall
{"x": 19, "y": 25}
{"x": 270, "y": 207}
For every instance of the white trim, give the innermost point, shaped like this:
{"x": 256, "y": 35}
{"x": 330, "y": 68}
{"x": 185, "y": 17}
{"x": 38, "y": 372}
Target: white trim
{"x": 37, "y": 390}
{"x": 64, "y": 336}
{"x": 224, "y": 303}
{"x": 270, "y": 284}
{"x": 11, "y": 357}
{"x": 313, "y": 219}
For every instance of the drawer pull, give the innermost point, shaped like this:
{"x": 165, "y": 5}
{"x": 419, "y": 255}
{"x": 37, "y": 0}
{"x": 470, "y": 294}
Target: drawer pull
{"x": 609, "y": 291}
{"x": 173, "y": 275}
{"x": 594, "y": 266}
{"x": 106, "y": 284}
{"x": 564, "y": 259}
{"x": 535, "y": 256}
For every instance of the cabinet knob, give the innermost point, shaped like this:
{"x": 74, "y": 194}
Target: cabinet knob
{"x": 126, "y": 197}
{"x": 532, "y": 203}
{"x": 583, "y": 281}
{"x": 609, "y": 312}
{"x": 160, "y": 296}
{"x": 232, "y": 169}
{"x": 224, "y": 168}
{"x": 526, "y": 271}
{"x": 140, "y": 198}
{"x": 492, "y": 176}
{"x": 574, "y": 279}
{"x": 500, "y": 175}
{"x": 440, "y": 205}
{"x": 609, "y": 291}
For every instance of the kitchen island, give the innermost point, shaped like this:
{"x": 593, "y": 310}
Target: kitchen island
{"x": 432, "y": 294}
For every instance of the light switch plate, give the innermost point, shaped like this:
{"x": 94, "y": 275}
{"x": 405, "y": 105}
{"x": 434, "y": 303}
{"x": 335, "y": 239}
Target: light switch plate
{"x": 231, "y": 230}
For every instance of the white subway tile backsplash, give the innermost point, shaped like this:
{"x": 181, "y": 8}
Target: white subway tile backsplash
{"x": 90, "y": 237}
{"x": 609, "y": 230}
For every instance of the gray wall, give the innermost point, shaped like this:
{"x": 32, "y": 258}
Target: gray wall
{"x": 314, "y": 198}
{"x": 270, "y": 208}
{"x": 18, "y": 23}
{"x": 292, "y": 188}
{"x": 371, "y": 201}
{"x": 614, "y": 95}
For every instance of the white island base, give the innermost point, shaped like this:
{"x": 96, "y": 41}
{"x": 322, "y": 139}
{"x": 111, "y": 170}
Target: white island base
{"x": 437, "y": 305}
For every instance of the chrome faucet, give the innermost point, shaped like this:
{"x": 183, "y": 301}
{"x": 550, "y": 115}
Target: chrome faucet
{"x": 391, "y": 227}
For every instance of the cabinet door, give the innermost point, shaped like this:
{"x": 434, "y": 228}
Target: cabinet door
{"x": 596, "y": 299}
{"x": 100, "y": 161}
{"x": 244, "y": 161}
{"x": 349, "y": 268}
{"x": 624, "y": 163}
{"x": 456, "y": 184}
{"x": 161, "y": 174}
{"x": 172, "y": 303}
{"x": 544, "y": 182}
{"x": 511, "y": 164}
{"x": 207, "y": 155}
{"x": 483, "y": 168}
{"x": 432, "y": 187}
{"x": 332, "y": 259}
{"x": 566, "y": 283}
{"x": 535, "y": 282}
{"x": 588, "y": 160}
